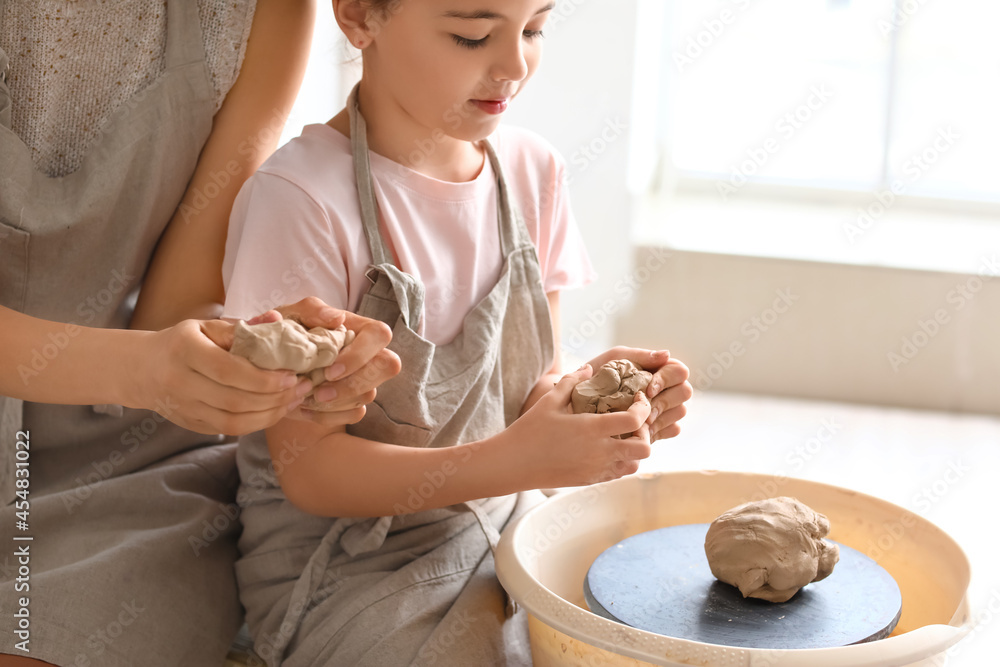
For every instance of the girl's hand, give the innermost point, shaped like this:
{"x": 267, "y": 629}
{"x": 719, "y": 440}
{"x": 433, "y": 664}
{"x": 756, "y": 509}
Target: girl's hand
{"x": 667, "y": 391}
{"x": 359, "y": 369}
{"x": 560, "y": 448}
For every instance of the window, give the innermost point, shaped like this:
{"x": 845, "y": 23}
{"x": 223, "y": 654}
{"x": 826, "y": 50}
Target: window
{"x": 842, "y": 95}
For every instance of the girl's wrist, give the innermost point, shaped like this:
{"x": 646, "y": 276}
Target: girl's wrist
{"x": 506, "y": 466}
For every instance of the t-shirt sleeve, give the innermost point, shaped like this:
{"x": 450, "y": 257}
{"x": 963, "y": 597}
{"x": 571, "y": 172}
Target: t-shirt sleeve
{"x": 281, "y": 248}
{"x": 563, "y": 256}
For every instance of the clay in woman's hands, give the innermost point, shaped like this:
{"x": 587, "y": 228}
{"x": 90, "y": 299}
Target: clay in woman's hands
{"x": 287, "y": 345}
{"x": 771, "y": 548}
{"x": 612, "y": 388}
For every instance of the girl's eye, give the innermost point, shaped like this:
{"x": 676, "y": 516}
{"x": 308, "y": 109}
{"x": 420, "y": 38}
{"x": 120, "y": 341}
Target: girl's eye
{"x": 469, "y": 43}
{"x": 533, "y": 34}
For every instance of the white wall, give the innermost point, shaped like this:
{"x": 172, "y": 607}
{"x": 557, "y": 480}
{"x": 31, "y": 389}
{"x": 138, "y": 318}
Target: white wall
{"x": 581, "y": 101}
{"x": 862, "y": 334}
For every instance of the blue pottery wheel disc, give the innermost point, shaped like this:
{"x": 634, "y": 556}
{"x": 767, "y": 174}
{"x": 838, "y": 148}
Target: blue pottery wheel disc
{"x": 660, "y": 582}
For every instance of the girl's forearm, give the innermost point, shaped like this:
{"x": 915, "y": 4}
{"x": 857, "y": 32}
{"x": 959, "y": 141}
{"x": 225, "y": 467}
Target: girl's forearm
{"x": 53, "y": 362}
{"x": 345, "y": 476}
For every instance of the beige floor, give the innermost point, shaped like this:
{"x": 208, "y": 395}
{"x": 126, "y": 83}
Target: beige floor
{"x": 942, "y": 466}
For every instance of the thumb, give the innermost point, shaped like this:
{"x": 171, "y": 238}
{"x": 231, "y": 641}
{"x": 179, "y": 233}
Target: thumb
{"x": 564, "y": 388}
{"x": 265, "y": 318}
{"x": 219, "y": 332}
{"x": 640, "y": 405}
{"x": 326, "y": 317}
{"x": 650, "y": 360}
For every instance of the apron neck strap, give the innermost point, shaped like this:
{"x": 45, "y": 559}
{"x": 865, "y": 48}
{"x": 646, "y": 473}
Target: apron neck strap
{"x": 184, "y": 39}
{"x": 510, "y": 237}
{"x": 366, "y": 187}
{"x": 510, "y": 231}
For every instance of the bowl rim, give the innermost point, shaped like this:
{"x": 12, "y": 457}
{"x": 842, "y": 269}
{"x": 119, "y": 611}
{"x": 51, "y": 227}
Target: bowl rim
{"x": 564, "y": 616}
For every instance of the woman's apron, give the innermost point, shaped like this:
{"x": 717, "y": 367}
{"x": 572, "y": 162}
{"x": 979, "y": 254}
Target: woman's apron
{"x": 417, "y": 588}
{"x": 131, "y": 517}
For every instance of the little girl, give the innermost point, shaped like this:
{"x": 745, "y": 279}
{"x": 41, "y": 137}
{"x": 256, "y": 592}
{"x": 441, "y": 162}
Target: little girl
{"x": 370, "y": 544}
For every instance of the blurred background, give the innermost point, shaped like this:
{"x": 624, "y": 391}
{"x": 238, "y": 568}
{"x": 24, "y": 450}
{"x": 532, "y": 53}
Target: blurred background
{"x": 796, "y": 197}
{"x": 800, "y": 199}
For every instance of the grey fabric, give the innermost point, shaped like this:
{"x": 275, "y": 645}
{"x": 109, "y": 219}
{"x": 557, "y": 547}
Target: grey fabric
{"x": 419, "y": 587}
{"x": 133, "y": 518}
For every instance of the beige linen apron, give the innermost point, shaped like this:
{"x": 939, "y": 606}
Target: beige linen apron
{"x": 417, "y": 588}
{"x": 132, "y": 517}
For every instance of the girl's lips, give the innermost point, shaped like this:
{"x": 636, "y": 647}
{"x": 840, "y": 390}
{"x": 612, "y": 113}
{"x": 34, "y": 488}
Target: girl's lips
{"x": 492, "y": 107}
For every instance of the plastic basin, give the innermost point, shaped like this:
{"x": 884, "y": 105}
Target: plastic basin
{"x": 543, "y": 558}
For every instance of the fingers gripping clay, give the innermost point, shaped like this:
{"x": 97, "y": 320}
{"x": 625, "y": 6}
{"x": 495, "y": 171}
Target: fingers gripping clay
{"x": 286, "y": 344}
{"x": 612, "y": 388}
{"x": 771, "y": 548}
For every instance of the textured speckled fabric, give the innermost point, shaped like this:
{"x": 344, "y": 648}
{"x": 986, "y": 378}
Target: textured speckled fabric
{"x": 74, "y": 63}
{"x": 133, "y": 519}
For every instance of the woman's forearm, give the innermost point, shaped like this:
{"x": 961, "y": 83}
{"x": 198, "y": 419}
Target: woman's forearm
{"x": 53, "y": 362}
{"x": 345, "y": 476}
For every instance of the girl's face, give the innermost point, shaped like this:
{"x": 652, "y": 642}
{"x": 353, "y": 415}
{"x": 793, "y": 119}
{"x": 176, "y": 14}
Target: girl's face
{"x": 453, "y": 66}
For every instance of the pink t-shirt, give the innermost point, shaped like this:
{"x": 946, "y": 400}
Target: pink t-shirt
{"x": 296, "y": 231}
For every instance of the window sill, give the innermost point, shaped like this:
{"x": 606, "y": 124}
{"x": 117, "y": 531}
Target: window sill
{"x": 903, "y": 236}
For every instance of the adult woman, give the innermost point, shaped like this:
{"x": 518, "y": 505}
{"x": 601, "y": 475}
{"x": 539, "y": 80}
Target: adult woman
{"x": 131, "y": 515}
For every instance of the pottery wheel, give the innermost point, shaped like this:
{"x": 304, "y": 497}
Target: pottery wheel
{"x": 660, "y": 582}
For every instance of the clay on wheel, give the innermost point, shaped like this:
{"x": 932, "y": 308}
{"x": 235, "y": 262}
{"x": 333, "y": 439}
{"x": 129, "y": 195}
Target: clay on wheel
{"x": 611, "y": 389}
{"x": 771, "y": 548}
{"x": 287, "y": 345}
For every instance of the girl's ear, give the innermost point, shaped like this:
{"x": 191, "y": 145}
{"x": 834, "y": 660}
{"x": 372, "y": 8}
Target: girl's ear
{"x": 353, "y": 18}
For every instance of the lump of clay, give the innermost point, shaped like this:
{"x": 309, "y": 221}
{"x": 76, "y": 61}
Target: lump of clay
{"x": 611, "y": 389}
{"x": 769, "y": 549}
{"x": 287, "y": 345}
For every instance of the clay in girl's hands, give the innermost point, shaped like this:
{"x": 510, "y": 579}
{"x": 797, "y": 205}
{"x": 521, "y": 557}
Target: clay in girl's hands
{"x": 287, "y": 345}
{"x": 612, "y": 388}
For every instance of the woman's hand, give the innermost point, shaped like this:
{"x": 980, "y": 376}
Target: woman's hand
{"x": 560, "y": 448}
{"x": 359, "y": 369}
{"x": 667, "y": 391}
{"x": 186, "y": 374}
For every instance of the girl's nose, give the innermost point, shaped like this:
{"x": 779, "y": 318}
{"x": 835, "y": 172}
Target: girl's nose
{"x": 510, "y": 64}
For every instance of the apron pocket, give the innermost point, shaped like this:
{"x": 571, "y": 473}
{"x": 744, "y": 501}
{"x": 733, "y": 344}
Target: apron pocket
{"x": 10, "y": 425}
{"x": 378, "y": 425}
{"x": 13, "y": 266}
